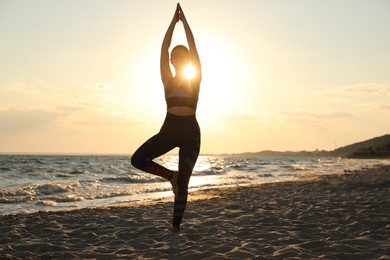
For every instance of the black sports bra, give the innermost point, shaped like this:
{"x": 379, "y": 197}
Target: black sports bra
{"x": 181, "y": 96}
{"x": 182, "y": 101}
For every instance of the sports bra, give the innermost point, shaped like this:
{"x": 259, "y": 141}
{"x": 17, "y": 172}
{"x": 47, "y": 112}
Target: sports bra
{"x": 183, "y": 101}
{"x": 178, "y": 97}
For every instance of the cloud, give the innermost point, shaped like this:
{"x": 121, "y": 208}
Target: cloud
{"x": 385, "y": 107}
{"x": 98, "y": 86}
{"x": 21, "y": 119}
{"x": 19, "y": 88}
{"x": 368, "y": 89}
{"x": 242, "y": 118}
{"x": 298, "y": 113}
{"x": 323, "y": 121}
{"x": 69, "y": 108}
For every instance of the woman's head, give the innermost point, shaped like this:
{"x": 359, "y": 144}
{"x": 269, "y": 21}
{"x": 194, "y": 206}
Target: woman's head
{"x": 180, "y": 57}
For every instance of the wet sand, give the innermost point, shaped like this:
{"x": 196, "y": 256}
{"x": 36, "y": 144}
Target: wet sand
{"x": 338, "y": 216}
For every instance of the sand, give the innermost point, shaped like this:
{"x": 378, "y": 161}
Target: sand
{"x": 338, "y": 216}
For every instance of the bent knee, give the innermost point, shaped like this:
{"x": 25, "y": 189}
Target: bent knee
{"x": 136, "y": 161}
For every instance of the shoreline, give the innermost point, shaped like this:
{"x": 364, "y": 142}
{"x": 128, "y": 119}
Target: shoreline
{"x": 340, "y": 215}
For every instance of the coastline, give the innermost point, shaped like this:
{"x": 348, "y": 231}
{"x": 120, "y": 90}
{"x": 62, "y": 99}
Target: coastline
{"x": 342, "y": 215}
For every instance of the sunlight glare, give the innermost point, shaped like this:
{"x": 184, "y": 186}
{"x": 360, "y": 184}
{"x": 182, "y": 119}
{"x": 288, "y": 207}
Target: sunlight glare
{"x": 189, "y": 71}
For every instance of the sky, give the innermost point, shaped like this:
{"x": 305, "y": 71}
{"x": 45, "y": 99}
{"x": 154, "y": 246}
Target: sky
{"x": 84, "y": 76}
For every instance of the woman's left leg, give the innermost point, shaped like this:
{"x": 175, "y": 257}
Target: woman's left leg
{"x": 156, "y": 146}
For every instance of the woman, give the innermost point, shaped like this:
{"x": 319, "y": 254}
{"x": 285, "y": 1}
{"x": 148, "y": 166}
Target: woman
{"x": 180, "y": 128}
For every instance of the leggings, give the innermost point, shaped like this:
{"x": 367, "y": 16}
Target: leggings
{"x": 177, "y": 131}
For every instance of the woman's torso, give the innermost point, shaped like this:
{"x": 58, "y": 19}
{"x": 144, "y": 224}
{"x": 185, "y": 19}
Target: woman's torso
{"x": 181, "y": 96}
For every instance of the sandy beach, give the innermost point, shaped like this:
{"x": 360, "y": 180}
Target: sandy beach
{"x": 339, "y": 216}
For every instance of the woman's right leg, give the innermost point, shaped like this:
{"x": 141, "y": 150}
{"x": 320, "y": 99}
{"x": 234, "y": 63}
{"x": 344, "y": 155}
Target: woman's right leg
{"x": 156, "y": 146}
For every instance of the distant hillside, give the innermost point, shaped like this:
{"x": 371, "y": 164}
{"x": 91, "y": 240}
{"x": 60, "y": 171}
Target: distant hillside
{"x": 270, "y": 153}
{"x": 378, "y": 147}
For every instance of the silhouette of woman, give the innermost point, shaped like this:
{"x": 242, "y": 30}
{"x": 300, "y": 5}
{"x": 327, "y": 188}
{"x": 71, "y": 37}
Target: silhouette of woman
{"x": 180, "y": 128}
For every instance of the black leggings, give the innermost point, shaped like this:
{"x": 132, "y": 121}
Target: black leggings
{"x": 177, "y": 131}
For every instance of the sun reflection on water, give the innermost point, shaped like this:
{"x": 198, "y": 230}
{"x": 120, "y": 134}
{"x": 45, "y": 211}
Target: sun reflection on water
{"x": 203, "y": 164}
{"x": 205, "y": 173}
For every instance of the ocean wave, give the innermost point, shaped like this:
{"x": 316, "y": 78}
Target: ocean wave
{"x": 38, "y": 173}
{"x": 266, "y": 175}
{"x": 46, "y": 203}
{"x": 79, "y": 172}
{"x": 69, "y": 198}
{"x": 211, "y": 171}
{"x": 44, "y": 192}
{"x": 11, "y": 199}
{"x": 130, "y": 179}
{"x": 17, "y": 195}
{"x": 61, "y": 163}
{"x": 62, "y": 175}
{"x": 38, "y": 161}
{"x": 54, "y": 188}
{"x": 298, "y": 167}
{"x": 248, "y": 167}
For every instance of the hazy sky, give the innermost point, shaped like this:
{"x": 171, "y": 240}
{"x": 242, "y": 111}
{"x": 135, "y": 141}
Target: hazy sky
{"x": 83, "y": 76}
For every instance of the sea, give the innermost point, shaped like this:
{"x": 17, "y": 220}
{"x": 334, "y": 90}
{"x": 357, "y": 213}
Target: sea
{"x": 33, "y": 183}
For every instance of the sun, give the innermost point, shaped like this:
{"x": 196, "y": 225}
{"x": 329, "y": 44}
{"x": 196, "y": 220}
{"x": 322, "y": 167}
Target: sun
{"x": 189, "y": 71}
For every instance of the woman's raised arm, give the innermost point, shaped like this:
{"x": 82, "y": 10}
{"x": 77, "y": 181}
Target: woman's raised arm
{"x": 165, "y": 70}
{"x": 191, "y": 43}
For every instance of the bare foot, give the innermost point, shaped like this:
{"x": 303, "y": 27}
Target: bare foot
{"x": 173, "y": 180}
